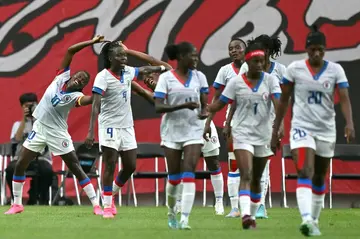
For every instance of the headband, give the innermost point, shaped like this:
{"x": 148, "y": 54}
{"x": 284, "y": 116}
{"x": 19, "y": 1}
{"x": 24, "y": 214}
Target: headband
{"x": 251, "y": 54}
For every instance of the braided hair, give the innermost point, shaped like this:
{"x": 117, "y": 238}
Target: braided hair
{"x": 272, "y": 44}
{"x": 108, "y": 49}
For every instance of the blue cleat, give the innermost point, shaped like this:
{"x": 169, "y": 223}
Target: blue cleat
{"x": 172, "y": 222}
{"x": 261, "y": 212}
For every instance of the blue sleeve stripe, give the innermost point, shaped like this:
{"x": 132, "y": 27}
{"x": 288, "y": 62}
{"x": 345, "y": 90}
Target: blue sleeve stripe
{"x": 217, "y": 85}
{"x": 343, "y": 85}
{"x": 136, "y": 72}
{"x": 204, "y": 90}
{"x": 158, "y": 94}
{"x": 98, "y": 90}
{"x": 224, "y": 99}
{"x": 276, "y": 95}
{"x": 286, "y": 81}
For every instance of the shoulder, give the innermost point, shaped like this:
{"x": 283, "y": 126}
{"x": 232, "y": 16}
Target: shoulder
{"x": 334, "y": 66}
{"x": 280, "y": 66}
{"x": 199, "y": 74}
{"x": 244, "y": 68}
{"x": 102, "y": 73}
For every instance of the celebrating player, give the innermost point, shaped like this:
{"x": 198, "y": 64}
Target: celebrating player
{"x": 181, "y": 128}
{"x": 313, "y": 128}
{"x": 50, "y": 127}
{"x": 254, "y": 93}
{"x": 112, "y": 91}
{"x": 236, "y": 52}
{"x": 272, "y": 49}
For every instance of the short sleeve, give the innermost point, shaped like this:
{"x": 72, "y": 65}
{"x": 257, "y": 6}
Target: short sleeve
{"x": 228, "y": 95}
{"x": 161, "y": 87}
{"x": 63, "y": 75}
{"x": 244, "y": 68}
{"x": 288, "y": 76}
{"x": 134, "y": 71}
{"x": 275, "y": 89}
{"x": 100, "y": 84}
{"x": 341, "y": 79}
{"x": 204, "y": 86}
{"x": 220, "y": 79}
{"x": 14, "y": 129}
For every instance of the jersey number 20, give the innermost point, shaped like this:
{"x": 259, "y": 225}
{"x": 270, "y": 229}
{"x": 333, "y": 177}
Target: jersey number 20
{"x": 314, "y": 97}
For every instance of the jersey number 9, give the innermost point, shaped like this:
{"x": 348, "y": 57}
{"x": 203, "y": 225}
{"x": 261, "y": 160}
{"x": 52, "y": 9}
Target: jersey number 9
{"x": 314, "y": 97}
{"x": 125, "y": 95}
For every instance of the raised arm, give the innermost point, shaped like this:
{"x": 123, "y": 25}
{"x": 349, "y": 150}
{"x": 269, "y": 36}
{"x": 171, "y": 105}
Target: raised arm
{"x": 76, "y": 48}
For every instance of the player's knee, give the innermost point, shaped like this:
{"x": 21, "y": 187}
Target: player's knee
{"x": 131, "y": 167}
{"x": 306, "y": 172}
{"x": 246, "y": 175}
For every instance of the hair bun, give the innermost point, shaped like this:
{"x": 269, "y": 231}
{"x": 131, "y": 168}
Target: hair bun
{"x": 314, "y": 28}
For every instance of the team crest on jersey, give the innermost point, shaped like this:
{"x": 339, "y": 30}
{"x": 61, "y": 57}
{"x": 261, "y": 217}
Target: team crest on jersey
{"x": 66, "y": 98}
{"x": 327, "y": 85}
{"x": 265, "y": 96}
{"x": 65, "y": 143}
{"x": 213, "y": 139}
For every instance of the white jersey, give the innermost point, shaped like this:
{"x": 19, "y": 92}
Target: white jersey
{"x": 181, "y": 125}
{"x": 115, "y": 109}
{"x": 55, "y": 105}
{"x": 313, "y": 109}
{"x": 225, "y": 73}
{"x": 251, "y": 123}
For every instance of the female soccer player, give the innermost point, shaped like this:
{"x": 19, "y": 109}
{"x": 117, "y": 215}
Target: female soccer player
{"x": 313, "y": 129}
{"x": 272, "y": 50}
{"x": 236, "y": 52}
{"x": 254, "y": 92}
{"x": 112, "y": 91}
{"x": 50, "y": 127}
{"x": 181, "y": 126}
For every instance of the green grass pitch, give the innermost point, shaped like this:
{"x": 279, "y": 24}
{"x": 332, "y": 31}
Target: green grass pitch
{"x": 78, "y": 222}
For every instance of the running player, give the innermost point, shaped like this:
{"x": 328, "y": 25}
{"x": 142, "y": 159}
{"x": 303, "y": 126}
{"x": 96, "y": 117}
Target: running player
{"x": 211, "y": 151}
{"x": 272, "y": 49}
{"x": 50, "y": 127}
{"x": 179, "y": 93}
{"x": 236, "y": 52}
{"x": 254, "y": 93}
{"x": 112, "y": 91}
{"x": 313, "y": 129}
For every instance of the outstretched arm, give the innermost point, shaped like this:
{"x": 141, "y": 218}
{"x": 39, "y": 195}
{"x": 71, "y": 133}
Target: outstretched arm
{"x": 76, "y": 48}
{"x": 147, "y": 95}
{"x": 84, "y": 100}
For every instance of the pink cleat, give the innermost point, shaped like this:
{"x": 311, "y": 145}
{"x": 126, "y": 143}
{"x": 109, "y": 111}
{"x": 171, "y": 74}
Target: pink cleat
{"x": 14, "y": 209}
{"x": 107, "y": 213}
{"x": 113, "y": 206}
{"x": 98, "y": 210}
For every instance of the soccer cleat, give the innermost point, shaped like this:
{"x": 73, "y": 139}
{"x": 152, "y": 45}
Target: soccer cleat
{"x": 178, "y": 207}
{"x": 98, "y": 210}
{"x": 247, "y": 222}
{"x": 306, "y": 228}
{"x": 261, "y": 212}
{"x": 14, "y": 209}
{"x": 184, "y": 225}
{"x": 315, "y": 230}
{"x": 233, "y": 213}
{"x": 172, "y": 222}
{"x": 219, "y": 207}
{"x": 113, "y": 206}
{"x": 107, "y": 213}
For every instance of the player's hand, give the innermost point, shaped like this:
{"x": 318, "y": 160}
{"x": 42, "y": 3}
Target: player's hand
{"x": 191, "y": 105}
{"x": 349, "y": 133}
{"x": 207, "y": 132}
{"x": 227, "y": 131}
{"x": 281, "y": 132}
{"x": 89, "y": 141}
{"x": 98, "y": 38}
{"x": 123, "y": 45}
{"x": 275, "y": 142}
{"x": 26, "y": 112}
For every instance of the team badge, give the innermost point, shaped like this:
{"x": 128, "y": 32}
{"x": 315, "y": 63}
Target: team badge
{"x": 213, "y": 139}
{"x": 327, "y": 85}
{"x": 265, "y": 96}
{"x": 67, "y": 98}
{"x": 65, "y": 143}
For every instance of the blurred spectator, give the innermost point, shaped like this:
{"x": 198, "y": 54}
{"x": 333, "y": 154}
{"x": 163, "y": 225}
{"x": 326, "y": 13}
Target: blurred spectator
{"x": 41, "y": 166}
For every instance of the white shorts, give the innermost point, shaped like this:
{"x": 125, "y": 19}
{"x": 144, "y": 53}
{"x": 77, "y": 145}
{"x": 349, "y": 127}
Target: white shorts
{"x": 259, "y": 151}
{"x": 211, "y": 147}
{"x": 300, "y": 138}
{"x": 58, "y": 141}
{"x": 180, "y": 145}
{"x": 120, "y": 139}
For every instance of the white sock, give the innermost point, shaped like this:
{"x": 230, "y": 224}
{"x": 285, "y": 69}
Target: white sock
{"x": 179, "y": 194}
{"x": 244, "y": 199}
{"x": 233, "y": 184}
{"x": 318, "y": 196}
{"x": 17, "y": 187}
{"x": 264, "y": 183}
{"x": 115, "y": 188}
{"x": 89, "y": 190}
{"x": 254, "y": 204}
{"x": 172, "y": 190}
{"x": 107, "y": 196}
{"x": 304, "y": 198}
{"x": 217, "y": 182}
{"x": 188, "y": 195}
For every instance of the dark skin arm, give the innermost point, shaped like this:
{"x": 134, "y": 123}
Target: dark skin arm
{"x": 276, "y": 103}
{"x": 147, "y": 95}
{"x": 95, "y": 110}
{"x": 161, "y": 107}
{"x": 281, "y": 110}
{"x": 347, "y": 112}
{"x": 207, "y": 129}
{"x": 227, "y": 127}
{"x": 84, "y": 100}
{"x": 216, "y": 106}
{"x": 203, "y": 100}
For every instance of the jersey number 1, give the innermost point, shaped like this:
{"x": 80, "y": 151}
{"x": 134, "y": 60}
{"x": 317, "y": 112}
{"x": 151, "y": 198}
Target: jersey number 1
{"x": 255, "y": 108}
{"x": 314, "y": 97}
